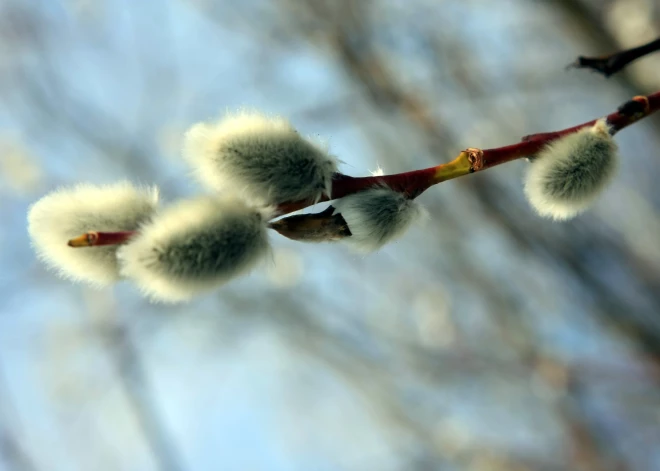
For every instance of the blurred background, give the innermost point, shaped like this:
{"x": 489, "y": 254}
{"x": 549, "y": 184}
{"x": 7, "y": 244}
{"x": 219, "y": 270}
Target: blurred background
{"x": 488, "y": 339}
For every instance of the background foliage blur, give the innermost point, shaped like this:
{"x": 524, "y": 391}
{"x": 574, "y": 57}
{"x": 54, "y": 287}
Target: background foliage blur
{"x": 489, "y": 339}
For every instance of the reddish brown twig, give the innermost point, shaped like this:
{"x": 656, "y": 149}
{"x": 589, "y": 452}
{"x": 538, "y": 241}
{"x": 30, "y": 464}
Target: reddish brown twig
{"x": 609, "y": 65}
{"x": 96, "y": 238}
{"x": 473, "y": 160}
{"x": 416, "y": 182}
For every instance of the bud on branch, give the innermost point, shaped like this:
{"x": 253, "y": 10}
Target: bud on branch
{"x": 319, "y": 227}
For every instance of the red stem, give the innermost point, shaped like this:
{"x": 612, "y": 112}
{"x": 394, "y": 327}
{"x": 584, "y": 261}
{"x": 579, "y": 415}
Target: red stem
{"x": 530, "y": 145}
{"x": 412, "y": 183}
{"x": 112, "y": 238}
{"x": 415, "y": 182}
{"x": 95, "y": 238}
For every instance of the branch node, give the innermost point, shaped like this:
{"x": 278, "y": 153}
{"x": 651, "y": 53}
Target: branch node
{"x": 644, "y": 101}
{"x": 635, "y": 108}
{"x": 476, "y": 158}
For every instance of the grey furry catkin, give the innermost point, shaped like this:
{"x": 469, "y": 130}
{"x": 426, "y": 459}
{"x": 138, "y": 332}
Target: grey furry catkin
{"x": 71, "y": 211}
{"x": 260, "y": 158}
{"x": 569, "y": 174}
{"x": 195, "y": 246}
{"x": 376, "y": 217}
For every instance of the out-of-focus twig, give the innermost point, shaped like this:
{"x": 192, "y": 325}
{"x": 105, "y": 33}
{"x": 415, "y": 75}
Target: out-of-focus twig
{"x": 10, "y": 446}
{"x": 13, "y": 452}
{"x": 133, "y": 378}
{"x": 613, "y": 63}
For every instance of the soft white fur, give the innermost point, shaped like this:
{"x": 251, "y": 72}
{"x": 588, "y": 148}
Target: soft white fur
{"x": 377, "y": 216}
{"x": 260, "y": 158}
{"x": 569, "y": 174}
{"x": 194, "y": 246}
{"x": 70, "y": 212}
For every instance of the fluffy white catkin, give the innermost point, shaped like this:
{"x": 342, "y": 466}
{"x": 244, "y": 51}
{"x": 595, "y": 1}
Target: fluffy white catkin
{"x": 261, "y": 158}
{"x": 377, "y": 216}
{"x": 195, "y": 246}
{"x": 569, "y": 174}
{"x": 70, "y": 212}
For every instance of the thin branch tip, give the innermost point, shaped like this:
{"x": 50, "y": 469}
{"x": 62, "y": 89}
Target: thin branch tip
{"x": 613, "y": 63}
{"x": 96, "y": 238}
{"x": 87, "y": 239}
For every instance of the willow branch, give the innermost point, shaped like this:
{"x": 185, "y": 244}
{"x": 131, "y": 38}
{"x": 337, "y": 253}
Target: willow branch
{"x": 415, "y": 182}
{"x": 609, "y": 65}
{"x": 474, "y": 160}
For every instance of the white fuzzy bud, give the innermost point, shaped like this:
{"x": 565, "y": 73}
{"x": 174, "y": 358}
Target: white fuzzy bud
{"x": 263, "y": 159}
{"x": 195, "y": 246}
{"x": 69, "y": 212}
{"x": 569, "y": 174}
{"x": 377, "y": 216}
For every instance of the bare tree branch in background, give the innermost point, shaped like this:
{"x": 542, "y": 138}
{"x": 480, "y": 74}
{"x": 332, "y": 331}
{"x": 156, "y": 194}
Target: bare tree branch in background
{"x": 613, "y": 63}
{"x": 10, "y": 445}
{"x": 133, "y": 377}
{"x": 13, "y": 452}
